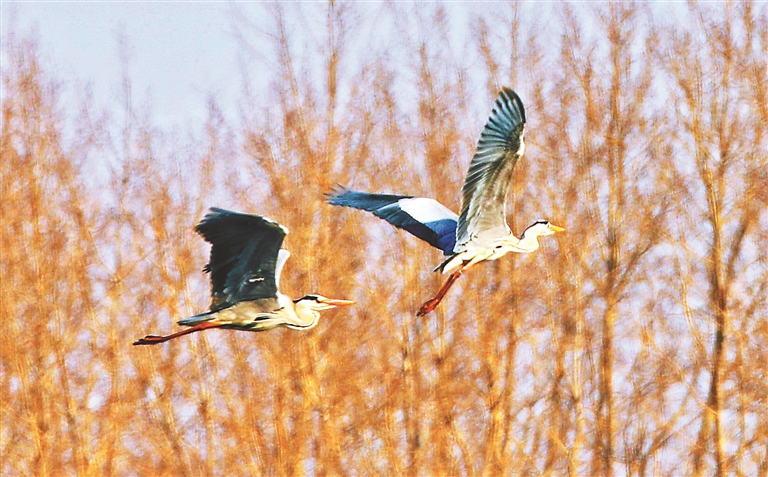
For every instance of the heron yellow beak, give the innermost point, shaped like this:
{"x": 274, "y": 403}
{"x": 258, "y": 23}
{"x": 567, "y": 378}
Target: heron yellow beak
{"x": 555, "y": 228}
{"x": 332, "y": 302}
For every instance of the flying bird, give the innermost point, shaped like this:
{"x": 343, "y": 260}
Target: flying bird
{"x": 245, "y": 265}
{"x": 480, "y": 232}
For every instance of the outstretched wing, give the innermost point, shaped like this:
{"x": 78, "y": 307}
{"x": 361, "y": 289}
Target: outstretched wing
{"x": 485, "y": 189}
{"x": 426, "y": 219}
{"x": 244, "y": 256}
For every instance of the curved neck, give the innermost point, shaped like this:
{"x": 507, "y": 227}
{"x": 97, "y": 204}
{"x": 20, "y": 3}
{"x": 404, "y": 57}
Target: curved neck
{"x": 527, "y": 244}
{"x": 306, "y": 318}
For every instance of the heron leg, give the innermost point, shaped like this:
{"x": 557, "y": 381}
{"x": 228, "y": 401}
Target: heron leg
{"x": 430, "y": 305}
{"x": 154, "y": 339}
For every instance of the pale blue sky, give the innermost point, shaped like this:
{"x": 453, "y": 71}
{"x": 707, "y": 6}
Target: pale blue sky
{"x": 178, "y": 51}
{"x": 182, "y": 50}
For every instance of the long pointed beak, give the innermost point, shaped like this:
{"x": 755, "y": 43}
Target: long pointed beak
{"x": 333, "y": 302}
{"x": 555, "y": 228}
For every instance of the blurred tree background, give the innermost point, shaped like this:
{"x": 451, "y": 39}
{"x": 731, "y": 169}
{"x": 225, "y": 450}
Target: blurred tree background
{"x": 634, "y": 344}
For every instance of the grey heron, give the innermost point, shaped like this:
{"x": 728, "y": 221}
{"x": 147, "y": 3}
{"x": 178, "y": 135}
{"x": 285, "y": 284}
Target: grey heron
{"x": 480, "y": 232}
{"x": 245, "y": 265}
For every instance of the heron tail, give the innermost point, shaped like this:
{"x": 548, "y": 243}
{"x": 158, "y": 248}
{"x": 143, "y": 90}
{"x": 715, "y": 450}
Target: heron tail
{"x": 197, "y": 319}
{"x": 441, "y": 267}
{"x": 446, "y": 266}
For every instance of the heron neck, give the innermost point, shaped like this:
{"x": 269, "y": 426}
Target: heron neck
{"x": 305, "y": 318}
{"x": 526, "y": 244}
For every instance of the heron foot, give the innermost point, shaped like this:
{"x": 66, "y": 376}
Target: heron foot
{"x": 428, "y": 306}
{"x": 150, "y": 340}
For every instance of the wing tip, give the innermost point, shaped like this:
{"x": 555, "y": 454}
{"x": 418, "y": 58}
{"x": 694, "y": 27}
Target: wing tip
{"x": 337, "y": 192}
{"x": 508, "y": 97}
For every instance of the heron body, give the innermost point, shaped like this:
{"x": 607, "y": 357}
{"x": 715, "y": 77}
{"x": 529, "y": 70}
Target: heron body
{"x": 245, "y": 266}
{"x": 491, "y": 245}
{"x": 268, "y": 313}
{"x": 480, "y": 232}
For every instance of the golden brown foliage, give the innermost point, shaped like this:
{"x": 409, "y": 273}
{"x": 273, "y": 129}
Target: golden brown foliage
{"x": 634, "y": 344}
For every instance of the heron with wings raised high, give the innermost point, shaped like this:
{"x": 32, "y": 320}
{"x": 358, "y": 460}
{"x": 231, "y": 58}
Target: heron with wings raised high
{"x": 480, "y": 232}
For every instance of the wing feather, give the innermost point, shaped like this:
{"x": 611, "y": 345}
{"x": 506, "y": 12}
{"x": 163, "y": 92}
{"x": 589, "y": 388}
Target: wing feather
{"x": 424, "y": 218}
{"x": 486, "y": 186}
{"x": 244, "y": 256}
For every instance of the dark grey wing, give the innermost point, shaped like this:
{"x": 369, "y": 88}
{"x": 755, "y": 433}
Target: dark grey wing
{"x": 424, "y": 218}
{"x": 485, "y": 189}
{"x": 244, "y": 256}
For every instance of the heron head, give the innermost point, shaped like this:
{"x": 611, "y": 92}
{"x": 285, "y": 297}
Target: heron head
{"x": 319, "y": 303}
{"x": 541, "y": 228}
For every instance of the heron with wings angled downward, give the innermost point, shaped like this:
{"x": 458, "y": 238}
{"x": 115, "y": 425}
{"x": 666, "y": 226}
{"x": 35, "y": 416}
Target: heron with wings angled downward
{"x": 480, "y": 232}
{"x": 245, "y": 265}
